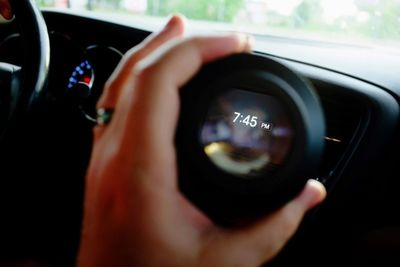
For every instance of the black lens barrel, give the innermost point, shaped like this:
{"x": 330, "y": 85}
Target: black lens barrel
{"x": 232, "y": 177}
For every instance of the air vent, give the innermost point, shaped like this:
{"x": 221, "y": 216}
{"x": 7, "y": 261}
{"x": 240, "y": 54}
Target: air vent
{"x": 344, "y": 114}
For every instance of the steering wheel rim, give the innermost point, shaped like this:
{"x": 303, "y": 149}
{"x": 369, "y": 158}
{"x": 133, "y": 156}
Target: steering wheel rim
{"x": 26, "y": 85}
{"x": 37, "y": 55}
{"x": 22, "y": 90}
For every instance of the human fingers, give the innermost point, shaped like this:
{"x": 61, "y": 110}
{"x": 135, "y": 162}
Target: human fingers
{"x": 154, "y": 94}
{"x": 173, "y": 29}
{"x": 5, "y": 9}
{"x": 259, "y": 243}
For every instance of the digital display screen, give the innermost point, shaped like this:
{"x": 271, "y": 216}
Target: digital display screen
{"x": 247, "y": 133}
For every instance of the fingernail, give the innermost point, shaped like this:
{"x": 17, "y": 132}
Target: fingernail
{"x": 313, "y": 193}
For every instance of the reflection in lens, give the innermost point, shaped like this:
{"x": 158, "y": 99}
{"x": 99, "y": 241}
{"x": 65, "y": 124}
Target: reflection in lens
{"x": 247, "y": 133}
{"x": 240, "y": 161}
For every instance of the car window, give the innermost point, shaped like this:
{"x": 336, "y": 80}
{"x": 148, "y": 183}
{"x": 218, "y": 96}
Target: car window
{"x": 346, "y": 21}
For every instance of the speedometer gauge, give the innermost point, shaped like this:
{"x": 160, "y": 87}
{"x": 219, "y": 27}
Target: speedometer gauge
{"x": 82, "y": 78}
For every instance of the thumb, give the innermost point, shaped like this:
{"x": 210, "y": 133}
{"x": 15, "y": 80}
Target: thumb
{"x": 263, "y": 240}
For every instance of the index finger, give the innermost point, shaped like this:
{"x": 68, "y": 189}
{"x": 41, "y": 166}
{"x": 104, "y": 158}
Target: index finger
{"x": 155, "y": 96}
{"x": 174, "y": 29}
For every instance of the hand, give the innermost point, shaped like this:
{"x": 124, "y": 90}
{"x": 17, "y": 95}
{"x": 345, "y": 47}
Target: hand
{"x": 5, "y": 9}
{"x": 134, "y": 212}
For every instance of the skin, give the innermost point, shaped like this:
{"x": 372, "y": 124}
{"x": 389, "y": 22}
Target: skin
{"x": 134, "y": 212}
{"x": 5, "y": 10}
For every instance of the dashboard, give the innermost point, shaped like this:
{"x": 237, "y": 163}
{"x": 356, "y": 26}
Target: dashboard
{"x": 78, "y": 71}
{"x": 359, "y": 164}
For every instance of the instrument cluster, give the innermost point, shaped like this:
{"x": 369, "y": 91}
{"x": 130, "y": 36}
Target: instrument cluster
{"x": 77, "y": 72}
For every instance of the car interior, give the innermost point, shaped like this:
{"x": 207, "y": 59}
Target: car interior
{"x": 53, "y": 67}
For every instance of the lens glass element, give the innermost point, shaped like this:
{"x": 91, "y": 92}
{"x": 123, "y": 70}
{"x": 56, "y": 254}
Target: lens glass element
{"x": 247, "y": 134}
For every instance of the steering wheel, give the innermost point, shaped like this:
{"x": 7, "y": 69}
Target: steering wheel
{"x": 22, "y": 87}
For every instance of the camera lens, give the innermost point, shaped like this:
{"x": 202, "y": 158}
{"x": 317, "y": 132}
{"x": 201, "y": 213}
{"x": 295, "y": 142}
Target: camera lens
{"x": 246, "y": 133}
{"x": 250, "y": 134}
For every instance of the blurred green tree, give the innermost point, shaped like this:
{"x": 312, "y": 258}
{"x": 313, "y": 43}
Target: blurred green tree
{"x": 214, "y": 10}
{"x": 307, "y": 13}
{"x": 384, "y": 18}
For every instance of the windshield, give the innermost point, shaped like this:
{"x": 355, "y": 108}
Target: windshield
{"x": 344, "y": 21}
